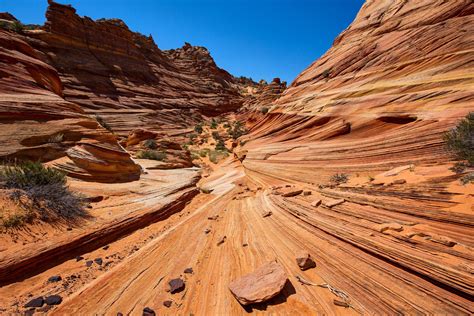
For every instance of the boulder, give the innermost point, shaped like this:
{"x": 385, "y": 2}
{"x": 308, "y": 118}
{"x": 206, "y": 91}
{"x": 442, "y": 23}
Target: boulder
{"x": 36, "y": 302}
{"x": 260, "y": 285}
{"x": 304, "y": 260}
{"x": 53, "y": 300}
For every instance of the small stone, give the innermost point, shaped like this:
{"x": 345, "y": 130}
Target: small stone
{"x": 207, "y": 231}
{"x": 245, "y": 245}
{"x": 119, "y": 314}
{"x": 106, "y": 247}
{"x": 306, "y": 193}
{"x": 29, "y": 312}
{"x": 98, "y": 261}
{"x": 36, "y": 302}
{"x": 292, "y": 193}
{"x": 176, "y": 285}
{"x": 304, "y": 261}
{"x": 55, "y": 278}
{"x": 167, "y": 303}
{"x": 213, "y": 218}
{"x": 188, "y": 270}
{"x": 79, "y": 258}
{"x": 400, "y": 181}
{"x": 148, "y": 312}
{"x": 69, "y": 229}
{"x": 334, "y": 203}
{"x": 267, "y": 214}
{"x": 316, "y": 203}
{"x": 340, "y": 303}
{"x": 89, "y": 263}
{"x": 53, "y": 300}
{"x": 221, "y": 241}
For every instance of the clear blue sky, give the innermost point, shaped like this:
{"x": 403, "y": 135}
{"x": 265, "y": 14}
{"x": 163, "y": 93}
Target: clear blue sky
{"x": 253, "y": 38}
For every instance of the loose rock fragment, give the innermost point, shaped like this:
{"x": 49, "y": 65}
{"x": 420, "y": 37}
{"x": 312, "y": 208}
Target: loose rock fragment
{"x": 306, "y": 193}
{"x": 148, "y": 312}
{"x": 89, "y": 263}
{"x": 176, "y": 285}
{"x": 334, "y": 203}
{"x": 188, "y": 270}
{"x": 36, "y": 302}
{"x": 400, "y": 181}
{"x": 316, "y": 203}
{"x": 167, "y": 303}
{"x": 98, "y": 261}
{"x": 207, "y": 231}
{"x": 222, "y": 240}
{"x": 390, "y": 226}
{"x": 261, "y": 285}
{"x": 53, "y": 300}
{"x": 213, "y": 218}
{"x": 304, "y": 261}
{"x": 341, "y": 303}
{"x": 267, "y": 214}
{"x": 55, "y": 278}
{"x": 292, "y": 193}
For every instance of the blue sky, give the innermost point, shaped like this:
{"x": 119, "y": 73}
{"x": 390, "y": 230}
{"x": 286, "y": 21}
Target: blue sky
{"x": 254, "y": 38}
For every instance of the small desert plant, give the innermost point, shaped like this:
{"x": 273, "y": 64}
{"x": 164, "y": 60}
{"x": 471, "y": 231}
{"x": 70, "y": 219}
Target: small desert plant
{"x": 17, "y": 27}
{"x": 215, "y": 135}
{"x": 459, "y": 167}
{"x": 460, "y": 140}
{"x": 192, "y": 137}
{"x": 213, "y": 124}
{"x": 216, "y": 155}
{"x": 242, "y": 143}
{"x": 339, "y": 178}
{"x": 4, "y": 25}
{"x": 150, "y": 144}
{"x": 326, "y": 73}
{"x": 17, "y": 220}
{"x": 45, "y": 189}
{"x": 57, "y": 138}
{"x": 468, "y": 178}
{"x": 198, "y": 128}
{"x": 103, "y": 123}
{"x": 151, "y": 154}
{"x": 203, "y": 152}
{"x": 226, "y": 125}
{"x": 264, "y": 110}
{"x": 238, "y": 130}
{"x": 220, "y": 146}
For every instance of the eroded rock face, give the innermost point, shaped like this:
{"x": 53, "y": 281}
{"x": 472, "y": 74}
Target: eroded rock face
{"x": 261, "y": 285}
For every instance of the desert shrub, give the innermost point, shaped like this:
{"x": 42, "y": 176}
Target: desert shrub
{"x": 459, "y": 167}
{"x": 226, "y": 125}
{"x": 16, "y": 220}
{"x": 152, "y": 155}
{"x": 264, "y": 110}
{"x": 194, "y": 156}
{"x": 17, "y": 27}
{"x": 192, "y": 137}
{"x": 203, "y": 152}
{"x": 216, "y": 155}
{"x": 326, "y": 73}
{"x": 214, "y": 124}
{"x": 198, "y": 128}
{"x": 220, "y": 146}
{"x": 460, "y": 140}
{"x": 45, "y": 190}
{"x": 215, "y": 135}
{"x": 150, "y": 144}
{"x": 57, "y": 138}
{"x": 4, "y": 25}
{"x": 238, "y": 130}
{"x": 339, "y": 178}
{"x": 103, "y": 123}
{"x": 468, "y": 178}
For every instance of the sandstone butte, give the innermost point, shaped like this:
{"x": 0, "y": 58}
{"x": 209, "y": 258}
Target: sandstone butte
{"x": 83, "y": 96}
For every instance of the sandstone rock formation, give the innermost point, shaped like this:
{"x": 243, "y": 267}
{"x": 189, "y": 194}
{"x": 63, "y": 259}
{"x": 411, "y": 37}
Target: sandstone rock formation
{"x": 395, "y": 238}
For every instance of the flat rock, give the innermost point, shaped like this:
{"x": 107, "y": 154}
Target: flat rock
{"x": 292, "y": 193}
{"x": 304, "y": 260}
{"x": 333, "y": 203}
{"x": 260, "y": 285}
{"x": 316, "y": 203}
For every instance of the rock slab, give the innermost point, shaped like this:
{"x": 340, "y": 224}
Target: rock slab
{"x": 260, "y": 285}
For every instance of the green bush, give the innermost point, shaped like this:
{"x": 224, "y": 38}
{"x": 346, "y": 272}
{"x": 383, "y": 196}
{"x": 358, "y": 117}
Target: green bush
{"x": 468, "y": 178}
{"x": 192, "y": 137}
{"x": 150, "y": 144}
{"x": 460, "y": 140}
{"x": 238, "y": 130}
{"x": 339, "y": 178}
{"x": 45, "y": 189}
{"x": 213, "y": 124}
{"x": 203, "y": 152}
{"x": 215, "y": 135}
{"x": 152, "y": 155}
{"x": 57, "y": 138}
{"x": 216, "y": 155}
{"x": 198, "y": 128}
{"x": 220, "y": 146}
{"x": 103, "y": 123}
{"x": 17, "y": 27}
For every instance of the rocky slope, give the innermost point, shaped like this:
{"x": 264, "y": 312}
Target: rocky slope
{"x": 348, "y": 166}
